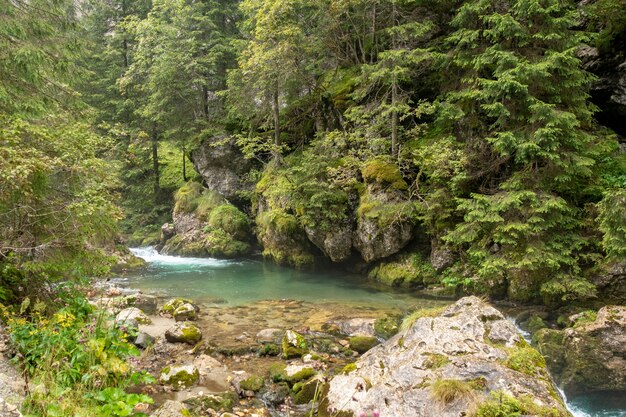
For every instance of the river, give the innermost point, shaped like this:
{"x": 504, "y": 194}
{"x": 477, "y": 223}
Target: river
{"x": 239, "y": 282}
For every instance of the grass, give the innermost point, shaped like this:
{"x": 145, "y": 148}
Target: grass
{"x": 418, "y": 314}
{"x": 447, "y": 391}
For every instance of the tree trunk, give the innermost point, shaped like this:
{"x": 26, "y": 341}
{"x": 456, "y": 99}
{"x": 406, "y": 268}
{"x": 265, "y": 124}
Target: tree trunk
{"x": 155, "y": 163}
{"x": 185, "y": 165}
{"x": 394, "y": 119}
{"x": 276, "y": 113}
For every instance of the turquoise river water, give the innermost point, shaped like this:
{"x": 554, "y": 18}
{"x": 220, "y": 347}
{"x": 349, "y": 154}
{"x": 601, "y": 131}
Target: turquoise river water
{"x": 239, "y": 282}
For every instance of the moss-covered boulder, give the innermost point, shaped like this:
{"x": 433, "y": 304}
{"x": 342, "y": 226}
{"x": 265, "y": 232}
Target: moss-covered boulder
{"x": 170, "y": 306}
{"x": 293, "y": 345}
{"x": 183, "y": 332}
{"x": 591, "y": 355}
{"x": 179, "y": 376}
{"x": 145, "y": 302}
{"x": 185, "y": 311}
{"x": 171, "y": 409}
{"x": 221, "y": 402}
{"x": 205, "y": 224}
{"x": 385, "y": 217}
{"x": 252, "y": 383}
{"x": 362, "y": 344}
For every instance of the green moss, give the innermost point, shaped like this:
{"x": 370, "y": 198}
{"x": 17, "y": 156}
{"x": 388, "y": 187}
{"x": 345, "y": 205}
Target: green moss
{"x": 309, "y": 391}
{"x": 278, "y": 221}
{"x": 418, "y": 314}
{"x": 220, "y": 244}
{"x": 362, "y": 344}
{"x": 231, "y": 220}
{"x": 534, "y": 324}
{"x": 525, "y": 359}
{"x": 351, "y": 367}
{"x": 277, "y": 372}
{"x": 181, "y": 379}
{"x": 219, "y": 402}
{"x": 207, "y": 202}
{"x": 302, "y": 375}
{"x": 585, "y": 317}
{"x": 293, "y": 345}
{"x": 407, "y": 271}
{"x": 253, "y": 383}
{"x": 447, "y": 391}
{"x": 191, "y": 333}
{"x": 435, "y": 360}
{"x": 384, "y": 173}
{"x": 186, "y": 198}
{"x": 385, "y": 213}
{"x": 269, "y": 349}
{"x": 386, "y": 327}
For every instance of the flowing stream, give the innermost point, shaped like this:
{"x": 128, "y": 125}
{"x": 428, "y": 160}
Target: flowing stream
{"x": 240, "y": 282}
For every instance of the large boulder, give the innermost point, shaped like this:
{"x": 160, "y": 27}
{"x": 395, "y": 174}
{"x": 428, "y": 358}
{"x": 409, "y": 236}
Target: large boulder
{"x": 222, "y": 166}
{"x": 453, "y": 364}
{"x": 206, "y": 224}
{"x": 591, "y": 355}
{"x": 385, "y": 217}
{"x": 336, "y": 243}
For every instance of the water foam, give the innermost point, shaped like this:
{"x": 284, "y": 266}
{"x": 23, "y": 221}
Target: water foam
{"x": 150, "y": 255}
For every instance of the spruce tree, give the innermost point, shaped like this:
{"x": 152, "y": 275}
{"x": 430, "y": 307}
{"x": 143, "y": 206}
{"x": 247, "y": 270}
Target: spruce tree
{"x": 519, "y": 114}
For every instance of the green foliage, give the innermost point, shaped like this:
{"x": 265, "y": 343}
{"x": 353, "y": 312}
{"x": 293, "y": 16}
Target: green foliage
{"x": 612, "y": 223}
{"x": 231, "y": 220}
{"x": 79, "y": 360}
{"x": 527, "y": 360}
{"x": 501, "y": 404}
{"x": 187, "y": 197}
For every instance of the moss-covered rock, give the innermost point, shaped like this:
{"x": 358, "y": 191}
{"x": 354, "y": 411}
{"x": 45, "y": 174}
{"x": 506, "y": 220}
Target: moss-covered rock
{"x": 386, "y": 327}
{"x": 252, "y": 383}
{"x": 282, "y": 238}
{"x": 293, "y": 345}
{"x": 298, "y": 373}
{"x": 170, "y": 306}
{"x": 223, "y": 401}
{"x": 408, "y": 271}
{"x": 385, "y": 222}
{"x": 277, "y": 372}
{"x": 383, "y": 173}
{"x": 362, "y": 344}
{"x": 185, "y": 311}
{"x": 309, "y": 391}
{"x": 179, "y": 376}
{"x": 184, "y": 332}
{"x": 220, "y": 244}
{"x": 591, "y": 355}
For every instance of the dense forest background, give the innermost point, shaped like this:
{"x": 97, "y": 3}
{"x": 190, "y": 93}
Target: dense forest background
{"x": 464, "y": 142}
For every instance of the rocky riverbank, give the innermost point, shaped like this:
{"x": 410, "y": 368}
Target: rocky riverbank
{"x": 286, "y": 357}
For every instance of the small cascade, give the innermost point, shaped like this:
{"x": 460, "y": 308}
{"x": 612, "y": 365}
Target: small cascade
{"x": 150, "y": 255}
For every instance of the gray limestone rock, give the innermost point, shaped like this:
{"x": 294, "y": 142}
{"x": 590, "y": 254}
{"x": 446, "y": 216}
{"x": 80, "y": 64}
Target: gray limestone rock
{"x": 401, "y": 376}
